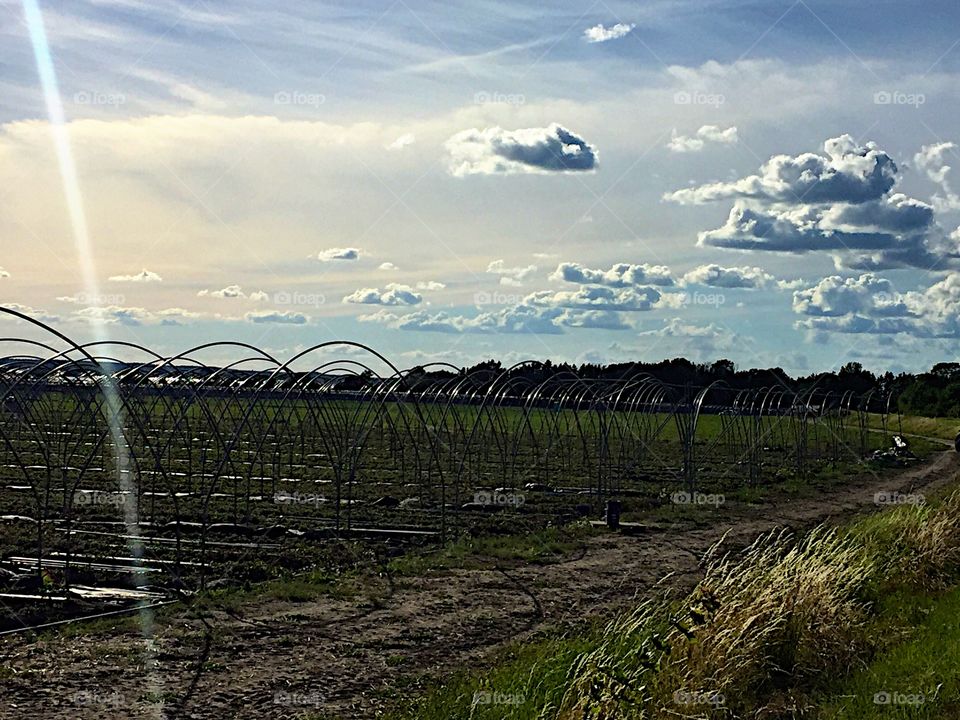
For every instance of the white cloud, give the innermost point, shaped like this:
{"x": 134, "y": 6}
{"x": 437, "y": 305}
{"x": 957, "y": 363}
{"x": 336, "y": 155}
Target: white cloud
{"x": 706, "y": 134}
{"x": 235, "y": 292}
{"x": 430, "y": 285}
{"x": 598, "y": 33}
{"x": 728, "y": 277}
{"x": 699, "y": 341}
{"x": 338, "y": 254}
{"x": 519, "y": 319}
{"x": 395, "y": 294}
{"x": 136, "y": 316}
{"x": 35, "y": 313}
{"x": 4, "y": 273}
{"x": 619, "y": 275}
{"x": 495, "y": 151}
{"x": 870, "y": 305}
{"x": 231, "y": 291}
{"x": 512, "y": 277}
{"x": 840, "y": 203}
{"x": 847, "y": 173}
{"x": 387, "y": 266}
{"x": 931, "y": 161}
{"x": 629, "y": 299}
{"x": 144, "y": 276}
{"x": 403, "y": 141}
{"x": 286, "y": 317}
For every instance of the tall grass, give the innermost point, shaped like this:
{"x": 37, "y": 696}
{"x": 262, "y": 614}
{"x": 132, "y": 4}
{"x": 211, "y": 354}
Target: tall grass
{"x": 767, "y": 627}
{"x": 766, "y": 634}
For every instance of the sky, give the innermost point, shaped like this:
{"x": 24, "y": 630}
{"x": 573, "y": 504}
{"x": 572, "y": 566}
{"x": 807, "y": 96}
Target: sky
{"x": 769, "y": 182}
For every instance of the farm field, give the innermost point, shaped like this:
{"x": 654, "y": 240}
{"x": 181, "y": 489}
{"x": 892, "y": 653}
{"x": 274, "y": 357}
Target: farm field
{"x": 272, "y": 525}
{"x": 224, "y": 478}
{"x": 349, "y": 647}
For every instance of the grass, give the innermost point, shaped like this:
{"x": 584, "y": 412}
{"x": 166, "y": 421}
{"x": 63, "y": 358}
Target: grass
{"x": 908, "y": 670}
{"x": 488, "y": 551}
{"x": 770, "y": 632}
{"x": 943, "y": 428}
{"x": 525, "y": 678}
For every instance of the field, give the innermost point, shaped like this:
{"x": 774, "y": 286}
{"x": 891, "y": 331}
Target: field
{"x": 148, "y": 481}
{"x": 215, "y": 493}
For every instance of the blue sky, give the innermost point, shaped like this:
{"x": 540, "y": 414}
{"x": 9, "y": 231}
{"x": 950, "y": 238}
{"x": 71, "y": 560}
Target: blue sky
{"x": 771, "y": 182}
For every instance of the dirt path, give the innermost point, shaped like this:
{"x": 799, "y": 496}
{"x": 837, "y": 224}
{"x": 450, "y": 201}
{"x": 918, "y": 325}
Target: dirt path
{"x": 345, "y": 658}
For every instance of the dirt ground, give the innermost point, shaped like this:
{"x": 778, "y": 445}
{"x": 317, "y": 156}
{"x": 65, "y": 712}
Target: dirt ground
{"x": 345, "y": 658}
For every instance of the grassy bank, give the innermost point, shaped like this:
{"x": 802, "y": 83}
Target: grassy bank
{"x": 917, "y": 676}
{"x": 774, "y": 631}
{"x": 943, "y": 428}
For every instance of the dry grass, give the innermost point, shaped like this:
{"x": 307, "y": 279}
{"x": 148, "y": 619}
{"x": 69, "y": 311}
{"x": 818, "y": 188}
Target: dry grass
{"x": 767, "y": 627}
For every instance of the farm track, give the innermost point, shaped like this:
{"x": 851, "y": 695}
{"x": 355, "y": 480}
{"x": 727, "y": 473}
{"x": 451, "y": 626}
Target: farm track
{"x": 347, "y": 657}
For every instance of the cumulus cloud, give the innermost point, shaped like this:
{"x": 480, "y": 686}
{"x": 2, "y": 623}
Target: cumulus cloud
{"x": 332, "y": 254}
{"x": 403, "y": 141}
{"x": 229, "y": 292}
{"x": 523, "y": 318}
{"x": 495, "y": 151}
{"x": 594, "y": 319}
{"x": 388, "y": 266}
{"x": 598, "y": 33}
{"x": 706, "y": 134}
{"x": 430, "y": 285}
{"x": 144, "y": 276}
{"x": 394, "y": 295}
{"x": 677, "y": 328}
{"x": 284, "y": 317}
{"x": 619, "y": 275}
{"x": 840, "y": 203}
{"x": 235, "y": 292}
{"x": 835, "y": 296}
{"x": 869, "y": 304}
{"x": 698, "y": 341}
{"x": 136, "y": 316}
{"x": 729, "y": 277}
{"x": 932, "y": 161}
{"x": 4, "y": 273}
{"x": 514, "y": 276}
{"x": 627, "y": 299}
{"x": 847, "y": 173}
{"x": 35, "y": 313}
{"x": 517, "y": 319}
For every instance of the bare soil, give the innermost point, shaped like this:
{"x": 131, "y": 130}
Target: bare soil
{"x": 347, "y": 658}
